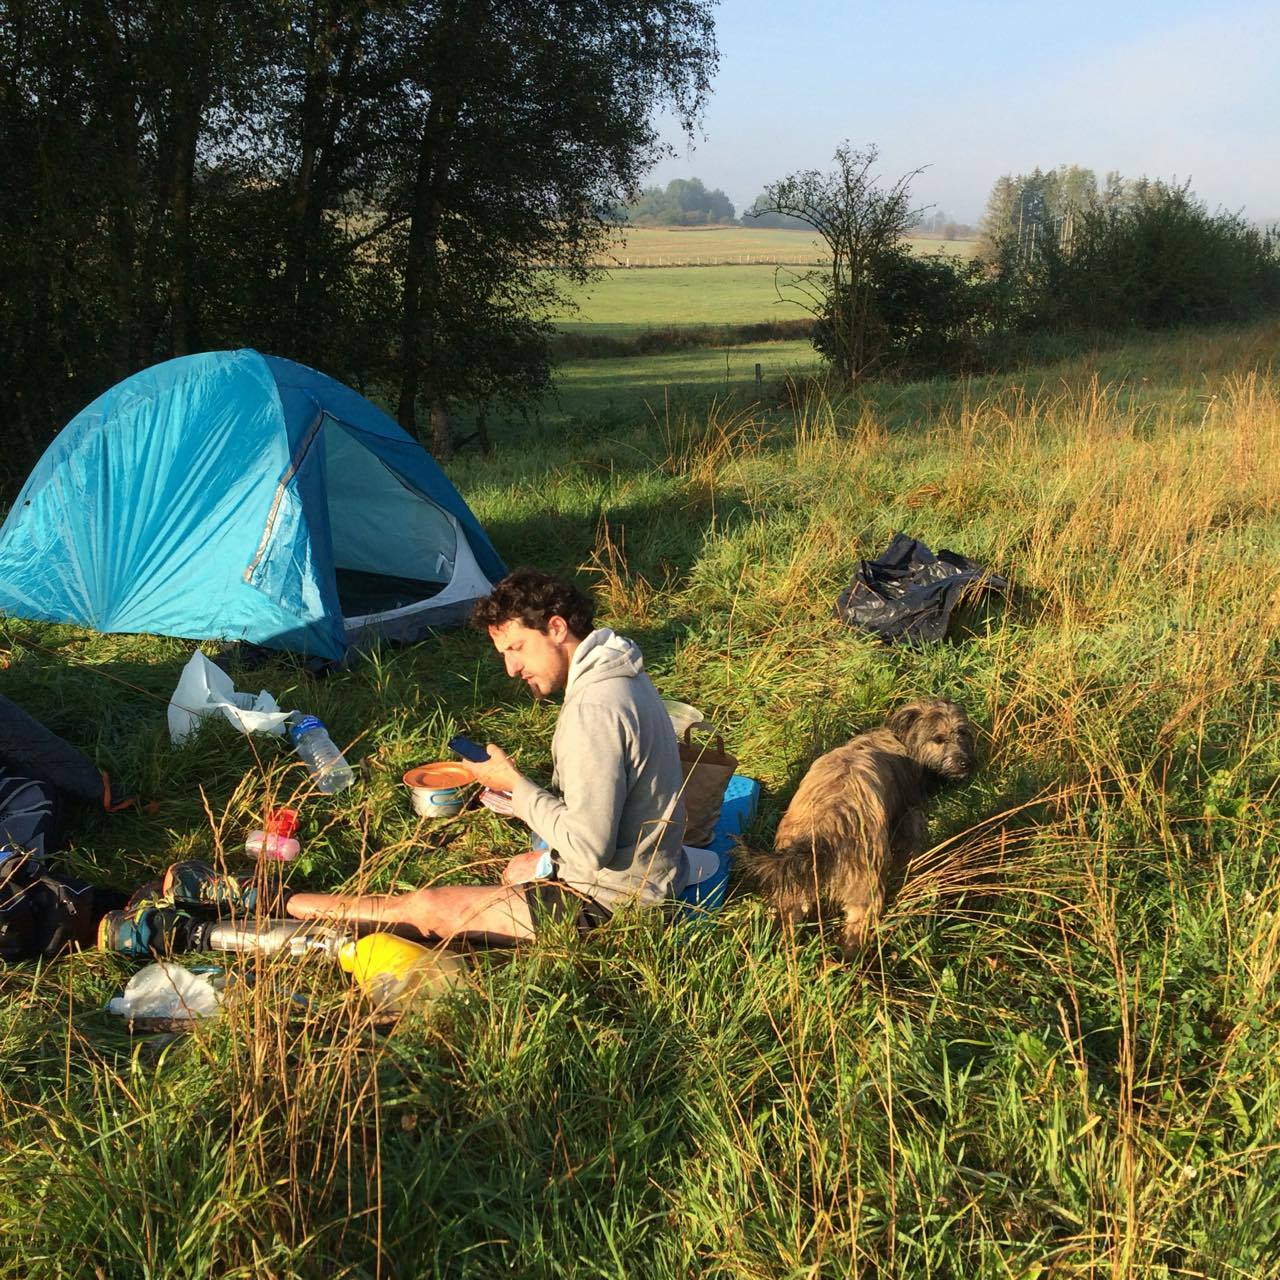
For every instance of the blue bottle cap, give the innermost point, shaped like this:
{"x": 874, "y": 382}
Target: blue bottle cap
{"x": 305, "y": 725}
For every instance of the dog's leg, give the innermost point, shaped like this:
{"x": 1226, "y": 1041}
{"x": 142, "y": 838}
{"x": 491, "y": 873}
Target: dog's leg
{"x": 860, "y": 895}
{"x": 910, "y": 840}
{"x": 860, "y": 918}
{"x": 794, "y": 908}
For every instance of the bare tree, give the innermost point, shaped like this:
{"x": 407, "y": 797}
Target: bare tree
{"x": 862, "y": 223}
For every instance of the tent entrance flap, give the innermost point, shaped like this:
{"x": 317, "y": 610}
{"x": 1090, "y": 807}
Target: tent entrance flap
{"x": 378, "y": 524}
{"x": 469, "y": 583}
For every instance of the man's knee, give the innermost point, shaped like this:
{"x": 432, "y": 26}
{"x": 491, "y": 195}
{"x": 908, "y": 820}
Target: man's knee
{"x": 446, "y": 910}
{"x": 428, "y": 910}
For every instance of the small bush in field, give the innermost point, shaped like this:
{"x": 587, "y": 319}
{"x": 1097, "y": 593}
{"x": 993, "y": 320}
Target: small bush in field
{"x": 924, "y": 314}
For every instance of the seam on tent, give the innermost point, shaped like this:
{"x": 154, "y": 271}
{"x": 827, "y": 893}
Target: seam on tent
{"x": 290, "y": 471}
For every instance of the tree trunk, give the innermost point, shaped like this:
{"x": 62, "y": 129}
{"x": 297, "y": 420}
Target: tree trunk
{"x": 418, "y": 375}
{"x": 315, "y": 89}
{"x": 117, "y": 89}
{"x": 188, "y": 113}
{"x": 441, "y": 439}
{"x": 320, "y": 118}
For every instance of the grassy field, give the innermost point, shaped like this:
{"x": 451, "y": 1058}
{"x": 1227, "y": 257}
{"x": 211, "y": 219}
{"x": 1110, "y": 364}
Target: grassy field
{"x": 692, "y": 246}
{"x": 627, "y": 301}
{"x": 1060, "y": 1059}
{"x": 617, "y": 392}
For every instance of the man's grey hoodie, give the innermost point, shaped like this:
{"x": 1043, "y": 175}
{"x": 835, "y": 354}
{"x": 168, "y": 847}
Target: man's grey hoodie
{"x": 616, "y": 828}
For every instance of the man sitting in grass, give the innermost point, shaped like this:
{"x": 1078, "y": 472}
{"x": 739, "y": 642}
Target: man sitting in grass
{"x": 614, "y": 822}
{"x": 615, "y": 828}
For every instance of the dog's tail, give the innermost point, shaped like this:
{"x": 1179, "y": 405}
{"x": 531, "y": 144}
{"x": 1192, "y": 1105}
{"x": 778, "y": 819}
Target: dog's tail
{"x": 785, "y": 876}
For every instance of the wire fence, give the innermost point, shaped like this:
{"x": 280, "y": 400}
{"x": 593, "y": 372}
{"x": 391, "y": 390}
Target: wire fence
{"x": 643, "y": 261}
{"x": 720, "y": 260}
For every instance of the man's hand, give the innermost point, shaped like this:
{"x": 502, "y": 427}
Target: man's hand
{"x": 498, "y": 773}
{"x": 521, "y": 868}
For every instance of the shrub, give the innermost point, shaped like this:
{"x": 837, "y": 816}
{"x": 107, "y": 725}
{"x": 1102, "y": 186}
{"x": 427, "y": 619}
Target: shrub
{"x": 1156, "y": 262}
{"x": 925, "y": 314}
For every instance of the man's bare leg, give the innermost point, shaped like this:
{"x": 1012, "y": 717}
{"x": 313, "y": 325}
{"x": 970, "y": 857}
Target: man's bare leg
{"x": 444, "y": 911}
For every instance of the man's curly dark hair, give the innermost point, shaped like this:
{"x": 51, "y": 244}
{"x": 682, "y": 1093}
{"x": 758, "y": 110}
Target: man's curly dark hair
{"x": 533, "y": 598}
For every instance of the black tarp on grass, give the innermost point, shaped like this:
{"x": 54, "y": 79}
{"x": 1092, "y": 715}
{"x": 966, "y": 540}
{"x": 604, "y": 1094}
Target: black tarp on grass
{"x": 908, "y": 593}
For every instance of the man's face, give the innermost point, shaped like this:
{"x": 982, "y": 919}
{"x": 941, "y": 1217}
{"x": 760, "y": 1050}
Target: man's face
{"x": 540, "y": 659}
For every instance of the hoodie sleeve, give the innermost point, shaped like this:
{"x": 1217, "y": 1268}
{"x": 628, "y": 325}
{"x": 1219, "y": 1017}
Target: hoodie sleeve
{"x": 592, "y": 768}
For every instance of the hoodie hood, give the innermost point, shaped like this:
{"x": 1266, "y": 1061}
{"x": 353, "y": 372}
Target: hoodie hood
{"x": 602, "y": 655}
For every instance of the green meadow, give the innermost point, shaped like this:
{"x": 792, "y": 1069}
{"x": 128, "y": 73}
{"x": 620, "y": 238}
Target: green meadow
{"x": 1059, "y": 1058}
{"x": 622, "y": 302}
{"x": 628, "y": 299}
{"x": 619, "y": 391}
{"x": 693, "y": 245}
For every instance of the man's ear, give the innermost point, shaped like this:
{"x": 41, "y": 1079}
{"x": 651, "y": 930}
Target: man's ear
{"x": 557, "y": 628}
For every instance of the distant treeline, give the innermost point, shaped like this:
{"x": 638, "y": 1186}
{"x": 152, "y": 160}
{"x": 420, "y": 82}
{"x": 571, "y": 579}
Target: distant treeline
{"x": 662, "y": 339}
{"x": 688, "y": 202}
{"x": 939, "y": 225}
{"x": 684, "y": 202}
{"x": 1061, "y": 257}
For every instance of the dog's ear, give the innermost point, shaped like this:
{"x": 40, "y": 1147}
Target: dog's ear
{"x": 899, "y": 724}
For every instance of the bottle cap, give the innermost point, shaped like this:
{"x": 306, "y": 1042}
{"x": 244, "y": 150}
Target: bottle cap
{"x": 281, "y": 822}
{"x": 305, "y": 725}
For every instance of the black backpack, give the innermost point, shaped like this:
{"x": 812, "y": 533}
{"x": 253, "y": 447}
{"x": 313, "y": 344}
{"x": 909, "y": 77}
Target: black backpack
{"x": 42, "y": 914}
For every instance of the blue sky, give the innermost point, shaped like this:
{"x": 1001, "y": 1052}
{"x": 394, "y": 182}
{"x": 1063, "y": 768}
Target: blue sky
{"x": 974, "y": 90}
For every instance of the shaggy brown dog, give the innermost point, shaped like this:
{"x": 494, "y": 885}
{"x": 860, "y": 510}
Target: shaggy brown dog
{"x": 859, "y": 816}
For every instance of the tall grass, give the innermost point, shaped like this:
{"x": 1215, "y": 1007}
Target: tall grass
{"x": 1060, "y": 1058}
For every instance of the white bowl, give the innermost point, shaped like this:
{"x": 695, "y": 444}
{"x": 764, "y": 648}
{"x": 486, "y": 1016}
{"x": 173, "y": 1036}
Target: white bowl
{"x": 701, "y": 863}
{"x": 683, "y": 716}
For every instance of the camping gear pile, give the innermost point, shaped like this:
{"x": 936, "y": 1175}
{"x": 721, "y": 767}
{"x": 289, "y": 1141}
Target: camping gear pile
{"x": 43, "y": 910}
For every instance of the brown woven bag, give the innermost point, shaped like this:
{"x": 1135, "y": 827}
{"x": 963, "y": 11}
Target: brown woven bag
{"x": 707, "y": 769}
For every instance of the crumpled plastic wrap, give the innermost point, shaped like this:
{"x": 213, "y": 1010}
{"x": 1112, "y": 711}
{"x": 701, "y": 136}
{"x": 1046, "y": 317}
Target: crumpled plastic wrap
{"x": 204, "y": 689}
{"x": 167, "y": 990}
{"x": 908, "y": 593}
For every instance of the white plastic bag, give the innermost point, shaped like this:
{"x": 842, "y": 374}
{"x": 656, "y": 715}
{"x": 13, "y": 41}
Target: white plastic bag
{"x": 204, "y": 689}
{"x": 166, "y": 990}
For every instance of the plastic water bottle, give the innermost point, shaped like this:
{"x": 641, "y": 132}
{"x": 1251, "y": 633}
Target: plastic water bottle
{"x": 312, "y": 742}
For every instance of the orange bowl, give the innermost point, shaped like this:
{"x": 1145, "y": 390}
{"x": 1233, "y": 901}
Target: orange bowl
{"x": 438, "y": 790}
{"x": 439, "y": 776}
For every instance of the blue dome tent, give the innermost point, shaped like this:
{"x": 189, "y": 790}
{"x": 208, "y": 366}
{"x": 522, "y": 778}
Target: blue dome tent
{"x": 238, "y": 496}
